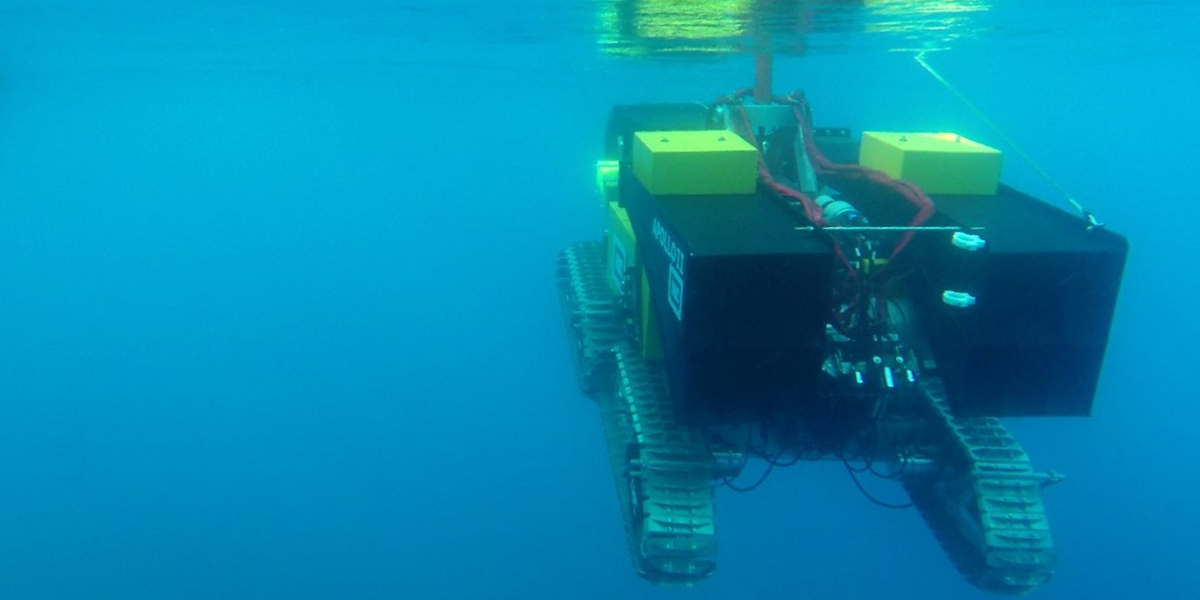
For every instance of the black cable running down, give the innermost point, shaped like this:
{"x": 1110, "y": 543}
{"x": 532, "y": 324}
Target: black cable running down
{"x": 894, "y": 474}
{"x": 775, "y": 461}
{"x": 772, "y": 462}
{"x": 873, "y": 499}
{"x": 729, "y": 483}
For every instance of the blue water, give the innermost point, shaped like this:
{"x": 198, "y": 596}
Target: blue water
{"x": 277, "y": 316}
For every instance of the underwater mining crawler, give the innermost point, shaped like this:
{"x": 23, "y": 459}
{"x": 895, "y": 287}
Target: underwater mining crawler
{"x": 766, "y": 289}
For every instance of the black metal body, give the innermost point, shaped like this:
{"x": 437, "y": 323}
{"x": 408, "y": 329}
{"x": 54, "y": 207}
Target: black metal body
{"x": 744, "y": 324}
{"x": 1034, "y": 343}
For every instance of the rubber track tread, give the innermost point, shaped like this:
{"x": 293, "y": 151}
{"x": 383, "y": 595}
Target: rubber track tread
{"x": 985, "y": 506}
{"x": 671, "y": 470}
{"x": 593, "y": 321}
{"x": 661, "y": 469}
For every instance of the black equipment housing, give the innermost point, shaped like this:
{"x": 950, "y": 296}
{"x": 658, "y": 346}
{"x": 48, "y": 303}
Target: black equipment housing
{"x": 755, "y": 289}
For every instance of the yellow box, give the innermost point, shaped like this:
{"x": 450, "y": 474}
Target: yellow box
{"x": 620, "y": 252}
{"x": 688, "y": 163}
{"x": 938, "y": 163}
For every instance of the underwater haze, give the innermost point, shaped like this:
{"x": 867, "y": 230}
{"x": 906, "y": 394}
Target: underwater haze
{"x": 278, "y": 315}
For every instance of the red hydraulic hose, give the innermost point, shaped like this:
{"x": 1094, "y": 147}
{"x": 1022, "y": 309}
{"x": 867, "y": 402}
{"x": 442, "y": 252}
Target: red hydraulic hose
{"x": 908, "y": 191}
{"x": 811, "y": 210}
